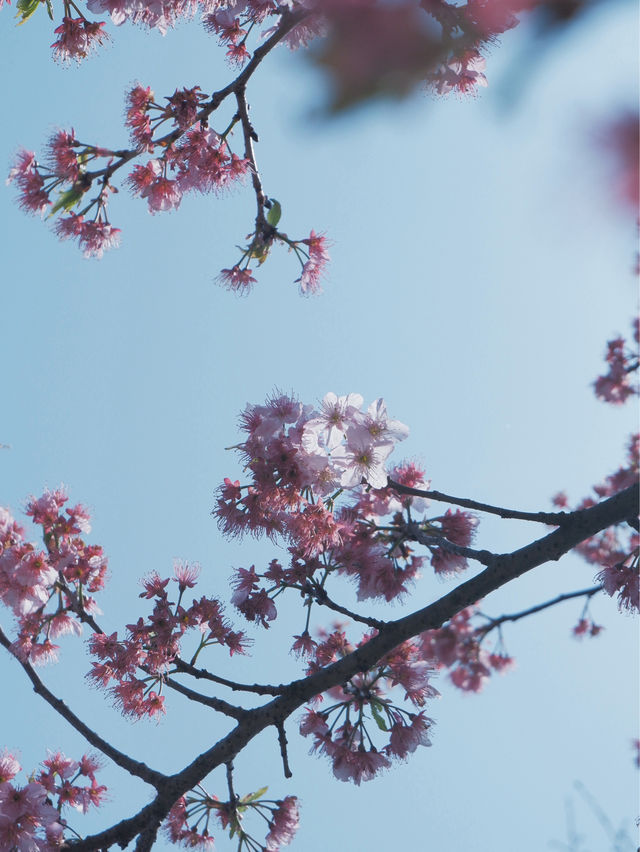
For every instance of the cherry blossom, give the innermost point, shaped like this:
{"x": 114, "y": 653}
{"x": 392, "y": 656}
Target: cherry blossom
{"x": 369, "y": 712}
{"x": 619, "y": 383}
{"x": 30, "y": 816}
{"x": 193, "y": 818}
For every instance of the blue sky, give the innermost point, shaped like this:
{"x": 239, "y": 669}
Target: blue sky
{"x": 478, "y": 267}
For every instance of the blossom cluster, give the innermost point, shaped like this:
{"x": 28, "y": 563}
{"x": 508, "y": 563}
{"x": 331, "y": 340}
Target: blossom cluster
{"x": 190, "y": 156}
{"x": 617, "y": 385}
{"x": 616, "y": 550}
{"x": 152, "y": 644}
{"x": 201, "y": 162}
{"x": 189, "y": 823}
{"x": 372, "y": 41}
{"x": 65, "y": 173}
{"x": 311, "y": 252}
{"x": 318, "y": 480}
{"x": 77, "y": 37}
{"x": 361, "y": 726}
{"x": 586, "y": 627}
{"x": 363, "y": 713}
{"x": 440, "y": 41}
{"x": 30, "y": 816}
{"x": 49, "y": 590}
{"x": 457, "y": 647}
{"x": 377, "y": 48}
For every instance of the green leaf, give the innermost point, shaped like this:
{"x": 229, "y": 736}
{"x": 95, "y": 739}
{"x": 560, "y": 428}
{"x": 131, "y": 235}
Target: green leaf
{"x": 274, "y": 214}
{"x": 26, "y": 8}
{"x": 375, "y": 712}
{"x": 49, "y": 9}
{"x": 252, "y": 797}
{"x": 68, "y": 199}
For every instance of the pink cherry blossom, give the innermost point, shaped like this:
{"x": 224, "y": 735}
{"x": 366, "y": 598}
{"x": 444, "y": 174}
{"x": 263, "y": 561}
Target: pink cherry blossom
{"x": 304, "y": 645}
{"x": 362, "y": 460}
{"x": 458, "y": 526}
{"x": 283, "y": 824}
{"x": 139, "y": 101}
{"x": 623, "y": 579}
{"x": 77, "y": 37}
{"x": 330, "y": 425}
{"x": 150, "y": 182}
{"x": 185, "y": 574}
{"x": 9, "y": 766}
{"x": 33, "y": 198}
{"x": 405, "y": 739}
{"x": 237, "y": 279}
{"x": 313, "y": 269}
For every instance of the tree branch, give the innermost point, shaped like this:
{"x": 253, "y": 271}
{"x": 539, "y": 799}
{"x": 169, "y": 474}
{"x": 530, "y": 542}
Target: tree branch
{"x": 250, "y": 136}
{"x": 414, "y": 533}
{"x": 282, "y": 741}
{"x": 322, "y": 598}
{"x": 506, "y": 567}
{"x": 209, "y": 701}
{"x": 287, "y": 22}
{"x": 496, "y": 622}
{"x": 551, "y": 518}
{"x": 134, "y": 767}
{"x": 257, "y": 688}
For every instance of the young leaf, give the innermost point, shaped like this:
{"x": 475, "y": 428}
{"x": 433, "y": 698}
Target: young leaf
{"x": 252, "y": 797}
{"x": 375, "y": 712}
{"x": 26, "y": 8}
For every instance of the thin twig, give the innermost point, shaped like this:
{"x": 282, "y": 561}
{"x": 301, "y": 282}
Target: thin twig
{"x": 496, "y": 622}
{"x": 322, "y": 598}
{"x": 257, "y": 688}
{"x": 233, "y": 796}
{"x": 282, "y": 741}
{"x": 209, "y": 701}
{"x": 414, "y": 533}
{"x": 250, "y": 136}
{"x": 551, "y": 518}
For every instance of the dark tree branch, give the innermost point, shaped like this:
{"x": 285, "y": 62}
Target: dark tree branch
{"x": 233, "y": 798}
{"x": 551, "y": 518}
{"x": 147, "y": 838}
{"x": 414, "y": 533}
{"x": 134, "y": 767}
{"x": 287, "y": 22}
{"x": 250, "y": 136}
{"x": 209, "y": 701}
{"x": 506, "y": 567}
{"x": 322, "y": 598}
{"x": 282, "y": 741}
{"x": 257, "y": 688}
